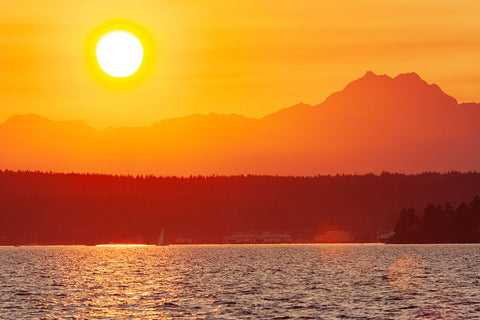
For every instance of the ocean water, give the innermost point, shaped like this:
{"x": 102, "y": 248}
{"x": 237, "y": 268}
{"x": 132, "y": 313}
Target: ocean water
{"x": 241, "y": 282}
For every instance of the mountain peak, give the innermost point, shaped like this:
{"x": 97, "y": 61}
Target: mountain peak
{"x": 380, "y": 89}
{"x": 370, "y": 76}
{"x": 410, "y": 78}
{"x": 369, "y": 80}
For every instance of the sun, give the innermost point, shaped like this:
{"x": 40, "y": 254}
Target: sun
{"x": 119, "y": 53}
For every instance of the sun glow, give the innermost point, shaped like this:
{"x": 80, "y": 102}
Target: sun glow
{"x": 119, "y": 54}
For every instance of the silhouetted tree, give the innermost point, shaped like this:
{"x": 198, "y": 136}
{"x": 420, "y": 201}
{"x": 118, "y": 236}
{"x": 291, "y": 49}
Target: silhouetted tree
{"x": 408, "y": 225}
{"x": 462, "y": 220}
{"x": 440, "y": 225}
{"x": 475, "y": 212}
{"x": 432, "y": 221}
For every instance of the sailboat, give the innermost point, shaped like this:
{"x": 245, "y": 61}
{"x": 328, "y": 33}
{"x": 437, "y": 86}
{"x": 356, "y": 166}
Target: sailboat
{"x": 161, "y": 239}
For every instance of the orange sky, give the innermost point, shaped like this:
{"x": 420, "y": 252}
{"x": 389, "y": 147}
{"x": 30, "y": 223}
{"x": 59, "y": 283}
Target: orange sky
{"x": 248, "y": 57}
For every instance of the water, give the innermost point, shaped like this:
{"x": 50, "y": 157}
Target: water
{"x": 241, "y": 282}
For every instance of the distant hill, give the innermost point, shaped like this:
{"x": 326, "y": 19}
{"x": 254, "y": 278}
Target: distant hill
{"x": 45, "y": 208}
{"x": 376, "y": 123}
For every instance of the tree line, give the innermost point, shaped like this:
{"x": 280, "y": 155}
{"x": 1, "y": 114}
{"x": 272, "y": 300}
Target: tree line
{"x": 69, "y": 208}
{"x": 440, "y": 224}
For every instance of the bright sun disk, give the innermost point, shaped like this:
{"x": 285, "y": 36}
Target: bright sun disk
{"x": 119, "y": 54}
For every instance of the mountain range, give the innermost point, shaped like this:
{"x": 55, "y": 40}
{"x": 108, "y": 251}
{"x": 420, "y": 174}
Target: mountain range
{"x": 376, "y": 123}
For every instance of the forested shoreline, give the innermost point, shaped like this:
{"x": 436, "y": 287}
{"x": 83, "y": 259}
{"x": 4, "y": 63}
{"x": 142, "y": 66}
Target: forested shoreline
{"x": 58, "y": 208}
{"x": 440, "y": 224}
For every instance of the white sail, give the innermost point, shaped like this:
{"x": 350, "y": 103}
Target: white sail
{"x": 161, "y": 238}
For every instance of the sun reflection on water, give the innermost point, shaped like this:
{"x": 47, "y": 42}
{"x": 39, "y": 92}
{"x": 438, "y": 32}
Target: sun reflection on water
{"x": 123, "y": 245}
{"x": 405, "y": 274}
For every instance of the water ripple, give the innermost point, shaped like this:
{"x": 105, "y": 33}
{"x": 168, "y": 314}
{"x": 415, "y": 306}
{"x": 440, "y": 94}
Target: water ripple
{"x": 244, "y": 281}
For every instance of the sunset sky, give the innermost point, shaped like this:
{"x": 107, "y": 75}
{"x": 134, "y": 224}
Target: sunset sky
{"x": 247, "y": 57}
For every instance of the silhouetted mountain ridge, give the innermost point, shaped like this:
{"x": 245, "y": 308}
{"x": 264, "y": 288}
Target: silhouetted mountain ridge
{"x": 381, "y": 88}
{"x": 28, "y": 120}
{"x": 376, "y": 123}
